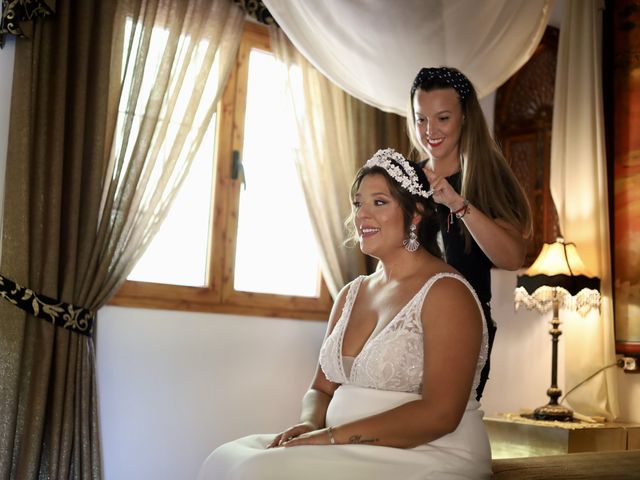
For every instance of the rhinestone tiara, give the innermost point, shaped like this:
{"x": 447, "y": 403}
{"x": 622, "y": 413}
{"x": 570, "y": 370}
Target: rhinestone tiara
{"x": 399, "y": 169}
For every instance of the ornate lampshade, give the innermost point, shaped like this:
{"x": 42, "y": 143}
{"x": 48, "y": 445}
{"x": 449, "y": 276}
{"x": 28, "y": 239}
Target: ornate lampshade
{"x": 558, "y": 277}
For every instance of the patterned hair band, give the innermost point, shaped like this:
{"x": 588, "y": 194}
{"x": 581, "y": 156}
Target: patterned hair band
{"x": 400, "y": 170}
{"x": 449, "y": 76}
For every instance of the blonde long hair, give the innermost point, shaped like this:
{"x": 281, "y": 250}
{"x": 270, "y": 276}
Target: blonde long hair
{"x": 487, "y": 179}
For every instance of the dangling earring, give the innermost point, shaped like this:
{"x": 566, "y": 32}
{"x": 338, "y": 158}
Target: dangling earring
{"x": 411, "y": 244}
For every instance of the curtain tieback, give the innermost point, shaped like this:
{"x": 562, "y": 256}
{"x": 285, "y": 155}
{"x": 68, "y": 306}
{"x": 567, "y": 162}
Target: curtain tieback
{"x": 65, "y": 315}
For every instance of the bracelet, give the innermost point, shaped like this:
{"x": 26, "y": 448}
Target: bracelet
{"x": 461, "y": 212}
{"x": 332, "y": 440}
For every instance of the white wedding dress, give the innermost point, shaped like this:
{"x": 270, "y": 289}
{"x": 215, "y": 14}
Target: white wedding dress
{"x": 385, "y": 374}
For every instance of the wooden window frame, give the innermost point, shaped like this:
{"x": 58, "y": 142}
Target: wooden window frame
{"x": 219, "y": 295}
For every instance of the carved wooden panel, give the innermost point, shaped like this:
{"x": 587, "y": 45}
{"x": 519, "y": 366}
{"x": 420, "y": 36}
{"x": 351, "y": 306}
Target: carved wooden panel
{"x": 523, "y": 116}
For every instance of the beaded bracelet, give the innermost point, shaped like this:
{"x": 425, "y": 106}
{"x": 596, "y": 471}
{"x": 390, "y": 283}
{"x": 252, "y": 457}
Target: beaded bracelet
{"x": 461, "y": 212}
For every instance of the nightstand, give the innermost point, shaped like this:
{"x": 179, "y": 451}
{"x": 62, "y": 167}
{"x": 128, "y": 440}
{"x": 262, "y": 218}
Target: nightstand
{"x": 514, "y": 436}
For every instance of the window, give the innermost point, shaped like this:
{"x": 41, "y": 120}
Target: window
{"x": 238, "y": 238}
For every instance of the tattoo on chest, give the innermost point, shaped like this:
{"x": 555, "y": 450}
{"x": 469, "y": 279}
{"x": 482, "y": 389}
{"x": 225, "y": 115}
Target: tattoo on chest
{"x": 359, "y": 439}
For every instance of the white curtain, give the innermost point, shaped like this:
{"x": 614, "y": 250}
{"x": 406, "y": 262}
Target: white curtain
{"x": 326, "y": 162}
{"x": 374, "y": 49}
{"x": 579, "y": 190}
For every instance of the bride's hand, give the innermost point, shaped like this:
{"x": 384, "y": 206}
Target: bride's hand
{"x": 315, "y": 437}
{"x": 291, "y": 433}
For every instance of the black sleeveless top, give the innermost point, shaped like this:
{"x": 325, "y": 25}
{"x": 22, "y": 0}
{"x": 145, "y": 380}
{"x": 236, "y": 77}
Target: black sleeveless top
{"x": 474, "y": 265}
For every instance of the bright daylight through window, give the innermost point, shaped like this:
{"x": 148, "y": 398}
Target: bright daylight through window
{"x": 275, "y": 249}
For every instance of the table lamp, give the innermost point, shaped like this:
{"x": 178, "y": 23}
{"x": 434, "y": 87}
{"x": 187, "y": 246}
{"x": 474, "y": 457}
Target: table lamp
{"x": 557, "y": 277}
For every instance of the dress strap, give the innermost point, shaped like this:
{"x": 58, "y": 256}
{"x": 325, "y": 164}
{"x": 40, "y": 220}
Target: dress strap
{"x": 351, "y": 296}
{"x": 427, "y": 286}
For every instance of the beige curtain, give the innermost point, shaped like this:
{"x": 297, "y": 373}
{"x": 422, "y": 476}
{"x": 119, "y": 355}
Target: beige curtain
{"x": 93, "y": 162}
{"x": 175, "y": 57}
{"x": 579, "y": 189}
{"x": 337, "y": 134}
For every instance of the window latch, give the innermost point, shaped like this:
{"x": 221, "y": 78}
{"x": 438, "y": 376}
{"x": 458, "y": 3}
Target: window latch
{"x": 237, "y": 170}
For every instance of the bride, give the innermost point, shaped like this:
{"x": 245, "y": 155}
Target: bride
{"x": 393, "y": 394}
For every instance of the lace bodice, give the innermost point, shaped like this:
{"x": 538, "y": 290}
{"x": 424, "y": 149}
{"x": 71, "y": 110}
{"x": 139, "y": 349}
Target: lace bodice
{"x": 392, "y": 359}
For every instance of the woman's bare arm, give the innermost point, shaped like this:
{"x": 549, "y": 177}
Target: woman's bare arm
{"x": 500, "y": 241}
{"x": 316, "y": 400}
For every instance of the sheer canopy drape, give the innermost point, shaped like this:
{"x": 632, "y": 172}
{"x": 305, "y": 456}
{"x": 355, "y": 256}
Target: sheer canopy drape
{"x": 579, "y": 190}
{"x": 374, "y": 49}
{"x": 337, "y": 134}
{"x": 101, "y": 132}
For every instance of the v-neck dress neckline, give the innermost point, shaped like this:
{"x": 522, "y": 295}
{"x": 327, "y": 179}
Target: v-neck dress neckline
{"x": 375, "y": 333}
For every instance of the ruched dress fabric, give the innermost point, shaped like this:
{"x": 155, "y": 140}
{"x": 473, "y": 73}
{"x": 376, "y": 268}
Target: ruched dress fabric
{"x": 385, "y": 374}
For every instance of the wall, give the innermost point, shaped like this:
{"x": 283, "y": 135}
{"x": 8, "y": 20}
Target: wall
{"x": 521, "y": 356}
{"x": 174, "y": 385}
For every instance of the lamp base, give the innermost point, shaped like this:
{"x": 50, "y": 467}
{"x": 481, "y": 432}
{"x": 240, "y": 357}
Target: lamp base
{"x": 553, "y": 412}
